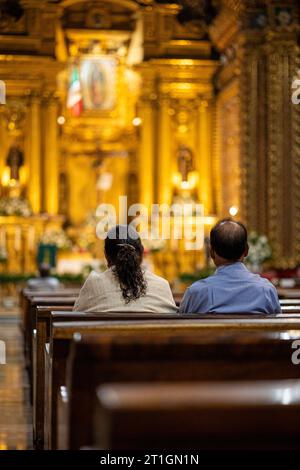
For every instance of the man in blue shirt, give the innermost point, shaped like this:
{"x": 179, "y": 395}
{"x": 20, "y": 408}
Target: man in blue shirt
{"x": 232, "y": 289}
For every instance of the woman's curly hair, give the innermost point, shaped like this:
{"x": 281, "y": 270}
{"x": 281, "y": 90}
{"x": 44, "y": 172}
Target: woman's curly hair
{"x": 124, "y": 252}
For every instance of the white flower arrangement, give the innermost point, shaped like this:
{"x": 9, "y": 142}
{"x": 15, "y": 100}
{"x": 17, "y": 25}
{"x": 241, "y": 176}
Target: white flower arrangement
{"x": 85, "y": 241}
{"x": 59, "y": 238}
{"x": 259, "y": 249}
{"x": 92, "y": 219}
{"x": 15, "y": 206}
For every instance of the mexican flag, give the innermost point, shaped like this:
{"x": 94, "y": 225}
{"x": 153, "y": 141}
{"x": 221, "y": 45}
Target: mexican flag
{"x": 74, "y": 100}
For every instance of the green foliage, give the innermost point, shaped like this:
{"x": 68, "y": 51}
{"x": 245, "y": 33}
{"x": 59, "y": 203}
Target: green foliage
{"x": 21, "y": 278}
{"x": 189, "y": 278}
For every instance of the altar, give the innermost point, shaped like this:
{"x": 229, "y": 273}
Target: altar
{"x": 19, "y": 240}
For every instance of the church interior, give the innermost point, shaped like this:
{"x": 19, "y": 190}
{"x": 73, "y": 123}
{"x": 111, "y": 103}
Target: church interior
{"x": 140, "y": 104}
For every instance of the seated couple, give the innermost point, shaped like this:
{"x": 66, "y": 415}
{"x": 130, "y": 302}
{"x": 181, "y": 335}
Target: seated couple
{"x": 127, "y": 287}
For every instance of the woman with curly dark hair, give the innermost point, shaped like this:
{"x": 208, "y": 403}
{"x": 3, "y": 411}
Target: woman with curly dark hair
{"x": 125, "y": 286}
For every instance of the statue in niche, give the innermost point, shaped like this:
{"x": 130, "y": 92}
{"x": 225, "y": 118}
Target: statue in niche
{"x": 283, "y": 17}
{"x": 185, "y": 161}
{"x": 184, "y": 194}
{"x": 15, "y": 159}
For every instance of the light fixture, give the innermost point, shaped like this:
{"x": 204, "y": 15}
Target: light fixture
{"x": 5, "y": 180}
{"x": 136, "y": 121}
{"x": 61, "y": 120}
{"x": 233, "y": 211}
{"x": 122, "y": 51}
{"x": 185, "y": 185}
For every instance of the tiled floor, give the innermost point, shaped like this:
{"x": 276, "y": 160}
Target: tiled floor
{"x": 15, "y": 409}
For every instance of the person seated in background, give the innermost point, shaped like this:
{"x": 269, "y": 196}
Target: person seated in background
{"x": 44, "y": 281}
{"x": 125, "y": 286}
{"x": 233, "y": 288}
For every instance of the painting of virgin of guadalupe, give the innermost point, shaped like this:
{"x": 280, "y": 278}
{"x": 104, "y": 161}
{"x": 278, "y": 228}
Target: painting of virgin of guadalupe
{"x": 98, "y": 81}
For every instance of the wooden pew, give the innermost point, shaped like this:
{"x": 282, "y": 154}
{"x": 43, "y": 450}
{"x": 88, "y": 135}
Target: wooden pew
{"x": 27, "y": 294}
{"x": 63, "y": 316}
{"x": 67, "y": 298}
{"x": 43, "y": 325}
{"x": 30, "y": 298}
{"x": 185, "y": 350}
{"x": 66, "y": 304}
{"x": 222, "y": 415}
{"x": 44, "y": 318}
{"x": 295, "y": 302}
{"x": 40, "y": 336}
{"x": 288, "y": 293}
{"x": 290, "y": 309}
{"x": 42, "y": 299}
{"x": 63, "y": 302}
{"x": 31, "y": 318}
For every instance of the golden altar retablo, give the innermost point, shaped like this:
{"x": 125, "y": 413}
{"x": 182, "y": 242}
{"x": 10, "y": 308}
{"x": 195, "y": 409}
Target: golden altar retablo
{"x": 153, "y": 88}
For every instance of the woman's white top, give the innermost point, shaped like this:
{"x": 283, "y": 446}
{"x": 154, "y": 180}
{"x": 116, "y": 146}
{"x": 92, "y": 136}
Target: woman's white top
{"x": 101, "y": 292}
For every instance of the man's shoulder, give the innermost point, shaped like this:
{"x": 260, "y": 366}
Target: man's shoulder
{"x": 260, "y": 284}
{"x": 269, "y": 286}
{"x": 262, "y": 281}
{"x": 202, "y": 284}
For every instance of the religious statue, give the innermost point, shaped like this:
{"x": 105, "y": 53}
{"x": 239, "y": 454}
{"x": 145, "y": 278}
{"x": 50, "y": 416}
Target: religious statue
{"x": 184, "y": 192}
{"x": 15, "y": 159}
{"x": 185, "y": 162}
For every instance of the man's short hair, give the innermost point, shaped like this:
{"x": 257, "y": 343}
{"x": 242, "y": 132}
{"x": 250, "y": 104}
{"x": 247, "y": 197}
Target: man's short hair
{"x": 44, "y": 269}
{"x": 228, "y": 239}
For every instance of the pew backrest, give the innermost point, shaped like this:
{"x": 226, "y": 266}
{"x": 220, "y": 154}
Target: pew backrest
{"x": 45, "y": 316}
{"x": 188, "y": 350}
{"x": 222, "y": 415}
{"x": 214, "y": 321}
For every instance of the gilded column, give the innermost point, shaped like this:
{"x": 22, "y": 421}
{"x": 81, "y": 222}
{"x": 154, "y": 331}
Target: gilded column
{"x": 34, "y": 157}
{"x": 3, "y": 133}
{"x": 283, "y": 152}
{"x": 51, "y": 157}
{"x": 204, "y": 163}
{"x": 262, "y": 51}
{"x": 295, "y": 156}
{"x": 146, "y": 152}
{"x": 164, "y": 182}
